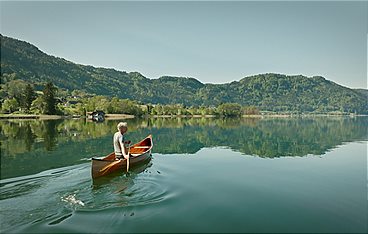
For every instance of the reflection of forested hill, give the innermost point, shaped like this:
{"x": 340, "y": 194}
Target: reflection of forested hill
{"x": 59, "y": 143}
{"x": 263, "y": 138}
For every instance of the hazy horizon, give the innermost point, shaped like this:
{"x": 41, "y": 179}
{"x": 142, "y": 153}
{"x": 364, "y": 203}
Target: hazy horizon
{"x": 213, "y": 42}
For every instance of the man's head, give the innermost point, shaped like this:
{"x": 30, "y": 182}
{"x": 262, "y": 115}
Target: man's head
{"x": 122, "y": 127}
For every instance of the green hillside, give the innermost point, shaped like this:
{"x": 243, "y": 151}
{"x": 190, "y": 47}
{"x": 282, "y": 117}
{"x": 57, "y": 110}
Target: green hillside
{"x": 268, "y": 92}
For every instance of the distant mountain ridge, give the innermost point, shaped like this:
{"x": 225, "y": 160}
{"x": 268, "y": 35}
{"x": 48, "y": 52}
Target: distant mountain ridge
{"x": 269, "y": 92}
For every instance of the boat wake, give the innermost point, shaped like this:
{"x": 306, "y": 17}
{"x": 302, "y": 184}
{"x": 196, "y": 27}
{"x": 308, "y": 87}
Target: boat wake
{"x": 54, "y": 196}
{"x": 72, "y": 200}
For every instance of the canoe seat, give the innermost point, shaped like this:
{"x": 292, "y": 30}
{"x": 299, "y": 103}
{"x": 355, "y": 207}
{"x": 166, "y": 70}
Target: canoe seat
{"x": 141, "y": 147}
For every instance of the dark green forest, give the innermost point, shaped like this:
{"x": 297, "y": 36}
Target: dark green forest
{"x": 267, "y": 92}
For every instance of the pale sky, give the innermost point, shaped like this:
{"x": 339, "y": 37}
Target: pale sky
{"x": 214, "y": 42}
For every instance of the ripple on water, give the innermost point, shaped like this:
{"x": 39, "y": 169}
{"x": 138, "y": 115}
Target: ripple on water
{"x": 135, "y": 189}
{"x": 147, "y": 189}
{"x": 18, "y": 186}
{"x": 36, "y": 198}
{"x": 51, "y": 197}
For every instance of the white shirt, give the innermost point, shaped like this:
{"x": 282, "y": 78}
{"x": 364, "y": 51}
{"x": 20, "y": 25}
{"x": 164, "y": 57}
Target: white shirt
{"x": 118, "y": 141}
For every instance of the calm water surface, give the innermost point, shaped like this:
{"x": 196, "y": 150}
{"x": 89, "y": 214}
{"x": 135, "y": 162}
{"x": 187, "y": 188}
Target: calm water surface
{"x": 206, "y": 175}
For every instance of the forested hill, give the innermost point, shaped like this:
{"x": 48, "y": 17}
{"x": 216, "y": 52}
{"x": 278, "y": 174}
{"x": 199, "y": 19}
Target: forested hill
{"x": 273, "y": 92}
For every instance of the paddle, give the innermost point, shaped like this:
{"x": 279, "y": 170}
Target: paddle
{"x": 128, "y": 158}
{"x": 116, "y": 162}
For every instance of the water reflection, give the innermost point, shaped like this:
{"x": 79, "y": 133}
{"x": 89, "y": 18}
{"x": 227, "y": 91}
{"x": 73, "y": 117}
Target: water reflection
{"x": 31, "y": 146}
{"x": 261, "y": 137}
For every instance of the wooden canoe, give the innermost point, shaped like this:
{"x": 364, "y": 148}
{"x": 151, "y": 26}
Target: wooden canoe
{"x": 139, "y": 152}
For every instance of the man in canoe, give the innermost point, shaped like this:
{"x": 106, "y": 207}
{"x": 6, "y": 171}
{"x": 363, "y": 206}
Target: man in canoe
{"x": 119, "y": 141}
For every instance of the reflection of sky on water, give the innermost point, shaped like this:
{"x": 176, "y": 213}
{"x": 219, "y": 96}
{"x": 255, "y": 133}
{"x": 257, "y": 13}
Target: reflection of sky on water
{"x": 310, "y": 193}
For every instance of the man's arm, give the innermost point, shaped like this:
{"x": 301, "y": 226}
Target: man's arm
{"x": 123, "y": 149}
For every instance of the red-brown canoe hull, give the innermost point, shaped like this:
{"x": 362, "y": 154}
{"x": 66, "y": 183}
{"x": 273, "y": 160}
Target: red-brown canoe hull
{"x": 140, "y": 151}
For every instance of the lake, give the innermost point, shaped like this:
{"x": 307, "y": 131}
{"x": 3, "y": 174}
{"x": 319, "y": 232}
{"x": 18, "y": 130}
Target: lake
{"x": 206, "y": 175}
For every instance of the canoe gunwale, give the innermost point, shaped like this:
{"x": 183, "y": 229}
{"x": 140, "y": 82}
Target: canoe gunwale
{"x": 131, "y": 157}
{"x": 118, "y": 164}
{"x": 105, "y": 160}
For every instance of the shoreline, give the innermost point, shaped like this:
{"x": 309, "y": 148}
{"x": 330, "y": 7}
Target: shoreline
{"x": 49, "y": 117}
{"x": 119, "y": 116}
{"x": 126, "y": 116}
{"x": 25, "y": 116}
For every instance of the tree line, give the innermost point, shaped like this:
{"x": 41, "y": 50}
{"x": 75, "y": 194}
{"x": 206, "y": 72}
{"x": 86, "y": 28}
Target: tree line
{"x": 21, "y": 97}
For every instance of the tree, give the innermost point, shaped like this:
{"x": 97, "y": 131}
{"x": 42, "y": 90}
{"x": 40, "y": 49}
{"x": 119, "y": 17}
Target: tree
{"x": 16, "y": 89}
{"x": 38, "y": 106}
{"x": 49, "y": 99}
{"x": 229, "y": 109}
{"x": 29, "y": 96}
{"x": 115, "y": 104}
{"x": 10, "y": 105}
{"x": 251, "y": 110}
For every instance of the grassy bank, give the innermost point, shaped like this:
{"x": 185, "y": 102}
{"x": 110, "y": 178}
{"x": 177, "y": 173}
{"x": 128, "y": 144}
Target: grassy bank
{"x": 27, "y": 116}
